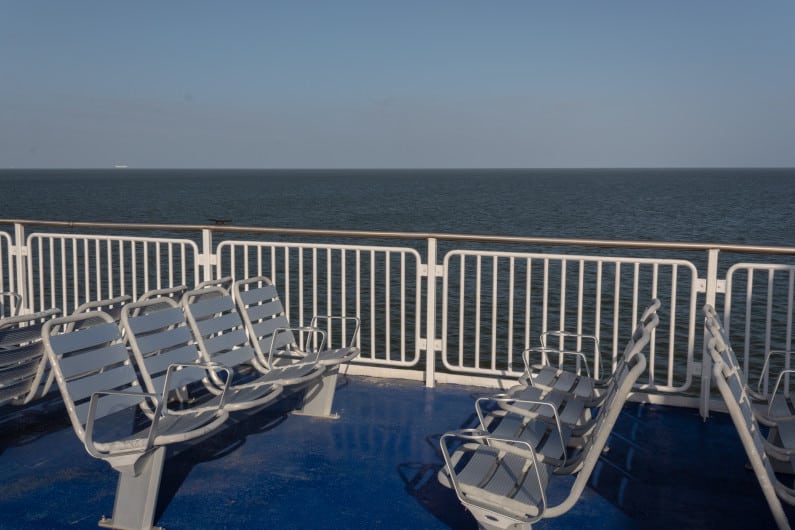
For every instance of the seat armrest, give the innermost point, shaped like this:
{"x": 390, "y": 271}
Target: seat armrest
{"x": 502, "y": 398}
{"x": 479, "y": 437}
{"x": 356, "y": 320}
{"x": 205, "y": 366}
{"x": 766, "y": 370}
{"x": 544, "y": 352}
{"x": 135, "y": 398}
{"x": 310, "y": 331}
{"x": 779, "y": 379}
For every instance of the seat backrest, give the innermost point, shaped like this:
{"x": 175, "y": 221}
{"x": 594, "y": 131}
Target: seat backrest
{"x": 263, "y": 313}
{"x": 90, "y": 358}
{"x": 714, "y": 326}
{"x": 159, "y": 336}
{"x": 592, "y": 450}
{"x": 624, "y": 379}
{"x": 640, "y": 337}
{"x": 22, "y": 361}
{"x": 730, "y": 383}
{"x": 217, "y": 327}
{"x": 109, "y": 306}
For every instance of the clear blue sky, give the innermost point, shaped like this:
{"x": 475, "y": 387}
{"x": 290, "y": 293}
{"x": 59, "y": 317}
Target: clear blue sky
{"x": 406, "y": 83}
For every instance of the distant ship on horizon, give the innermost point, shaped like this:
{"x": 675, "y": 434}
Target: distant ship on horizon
{"x": 120, "y": 166}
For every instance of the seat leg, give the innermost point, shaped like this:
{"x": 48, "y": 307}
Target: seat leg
{"x": 319, "y": 398}
{"x": 136, "y": 495}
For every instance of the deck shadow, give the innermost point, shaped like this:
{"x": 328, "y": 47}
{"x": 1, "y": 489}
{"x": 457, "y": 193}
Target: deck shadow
{"x": 231, "y": 437}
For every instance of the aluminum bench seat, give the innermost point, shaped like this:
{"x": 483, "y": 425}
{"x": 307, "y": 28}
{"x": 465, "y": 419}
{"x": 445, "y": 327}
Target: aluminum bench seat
{"x": 275, "y": 343}
{"x": 23, "y": 365}
{"x": 221, "y": 337}
{"x": 504, "y": 484}
{"x": 582, "y": 385}
{"x": 729, "y": 380}
{"x": 570, "y": 408}
{"x": 107, "y": 408}
{"x": 772, "y": 411}
{"x": 556, "y": 441}
{"x": 159, "y": 336}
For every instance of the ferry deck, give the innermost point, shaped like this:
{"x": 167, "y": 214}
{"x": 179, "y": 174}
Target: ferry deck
{"x": 673, "y": 459}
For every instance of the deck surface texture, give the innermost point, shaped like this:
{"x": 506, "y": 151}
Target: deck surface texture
{"x": 375, "y": 467}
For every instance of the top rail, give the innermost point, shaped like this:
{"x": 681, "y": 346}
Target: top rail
{"x": 472, "y": 238}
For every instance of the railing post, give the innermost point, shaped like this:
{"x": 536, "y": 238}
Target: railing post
{"x": 207, "y": 259}
{"x": 20, "y": 252}
{"x": 711, "y": 289}
{"x": 430, "y": 315}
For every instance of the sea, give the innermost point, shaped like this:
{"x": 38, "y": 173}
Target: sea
{"x": 746, "y": 206}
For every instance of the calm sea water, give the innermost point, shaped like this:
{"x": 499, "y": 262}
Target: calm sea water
{"x": 703, "y": 205}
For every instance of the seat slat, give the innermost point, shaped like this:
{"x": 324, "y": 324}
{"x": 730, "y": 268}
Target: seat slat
{"x": 92, "y": 360}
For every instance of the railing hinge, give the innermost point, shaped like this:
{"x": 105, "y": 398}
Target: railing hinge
{"x": 701, "y": 286}
{"x": 437, "y": 344}
{"x": 695, "y": 369}
{"x": 438, "y": 270}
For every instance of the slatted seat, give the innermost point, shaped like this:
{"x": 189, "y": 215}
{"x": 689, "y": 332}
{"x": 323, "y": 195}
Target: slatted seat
{"x": 114, "y": 417}
{"x": 557, "y": 424}
{"x": 159, "y": 337}
{"x": 729, "y": 380}
{"x": 23, "y": 365}
{"x": 275, "y": 341}
{"x": 502, "y": 481}
{"x": 572, "y": 408}
{"x": 773, "y": 411}
{"x": 582, "y": 385}
{"x": 221, "y": 337}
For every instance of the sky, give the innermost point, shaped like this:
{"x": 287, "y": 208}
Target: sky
{"x": 400, "y": 84}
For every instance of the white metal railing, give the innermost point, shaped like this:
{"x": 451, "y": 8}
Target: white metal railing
{"x": 758, "y": 307}
{"x": 379, "y": 285}
{"x": 66, "y": 270}
{"x": 497, "y": 304}
{"x": 491, "y": 305}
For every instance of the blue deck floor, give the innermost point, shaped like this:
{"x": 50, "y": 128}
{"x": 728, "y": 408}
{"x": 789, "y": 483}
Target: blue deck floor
{"x": 375, "y": 467}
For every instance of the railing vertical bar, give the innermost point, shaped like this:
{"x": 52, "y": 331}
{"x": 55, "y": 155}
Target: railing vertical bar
{"x": 122, "y": 283}
{"x": 461, "y": 300}
{"x": 564, "y": 267}
{"x": 672, "y": 324}
{"x": 527, "y": 299}
{"x": 616, "y": 310}
{"x": 53, "y": 295}
{"x": 545, "y": 297}
{"x": 288, "y": 288}
{"x": 387, "y": 306}
{"x": 98, "y": 269}
{"x": 748, "y": 306}
{"x": 635, "y": 293}
{"x": 358, "y": 290}
{"x": 343, "y": 295}
{"x": 134, "y": 268}
{"x": 598, "y": 318}
{"x": 494, "y": 311}
{"x": 329, "y": 308}
{"x": 109, "y": 258}
{"x": 580, "y": 294}
{"x": 478, "y": 278}
{"x": 403, "y": 307}
{"x": 372, "y": 303}
{"x": 301, "y": 290}
{"x": 511, "y": 303}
